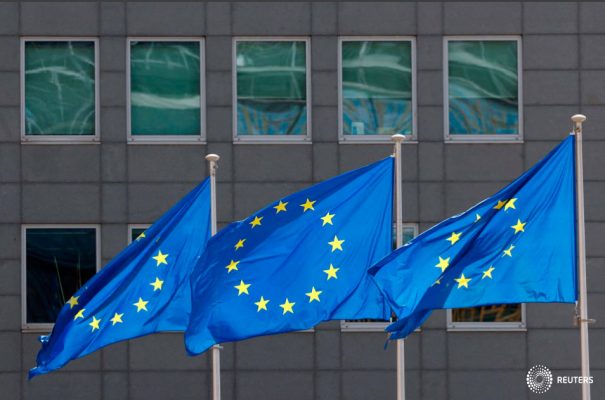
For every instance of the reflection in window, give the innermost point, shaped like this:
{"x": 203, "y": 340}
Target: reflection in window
{"x": 483, "y": 87}
{"x": 59, "y": 85}
{"x": 135, "y": 233}
{"x": 495, "y": 313}
{"x": 58, "y": 262}
{"x": 376, "y": 87}
{"x": 271, "y": 87}
{"x": 165, "y": 88}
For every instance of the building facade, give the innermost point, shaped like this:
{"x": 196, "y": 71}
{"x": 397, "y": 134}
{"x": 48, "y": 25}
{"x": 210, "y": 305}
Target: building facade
{"x": 108, "y": 108}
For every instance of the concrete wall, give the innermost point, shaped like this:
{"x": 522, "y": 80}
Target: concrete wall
{"x": 114, "y": 184}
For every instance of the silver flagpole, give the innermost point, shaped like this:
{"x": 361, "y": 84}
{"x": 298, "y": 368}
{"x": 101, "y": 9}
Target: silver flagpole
{"x": 216, "y": 349}
{"x": 398, "y": 139}
{"x": 583, "y": 297}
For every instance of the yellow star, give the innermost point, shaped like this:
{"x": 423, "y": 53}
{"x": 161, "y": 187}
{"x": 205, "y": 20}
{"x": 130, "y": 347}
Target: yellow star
{"x": 256, "y": 221}
{"x": 262, "y": 304}
{"x": 157, "y": 285}
{"x": 280, "y": 207}
{"x": 313, "y": 294}
{"x": 336, "y": 244}
{"x": 510, "y": 204}
{"x": 95, "y": 323}
{"x": 327, "y": 219}
{"x": 501, "y": 203}
{"x": 232, "y": 266}
{"x": 454, "y": 238}
{"x": 160, "y": 258}
{"x": 443, "y": 263}
{"x": 141, "y": 236}
{"x": 519, "y": 226}
{"x": 477, "y": 217}
{"x": 73, "y": 301}
{"x": 242, "y": 288}
{"x": 141, "y": 304}
{"x": 331, "y": 272}
{"x": 437, "y": 282}
{"x": 287, "y": 306}
{"x": 508, "y": 252}
{"x": 117, "y": 318}
{"x": 462, "y": 281}
{"x": 308, "y": 205}
{"x": 80, "y": 314}
{"x": 240, "y": 244}
{"x": 488, "y": 272}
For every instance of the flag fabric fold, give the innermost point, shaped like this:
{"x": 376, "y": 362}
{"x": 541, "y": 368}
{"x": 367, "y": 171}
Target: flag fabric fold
{"x": 296, "y": 262}
{"x": 144, "y": 289}
{"x": 514, "y": 247}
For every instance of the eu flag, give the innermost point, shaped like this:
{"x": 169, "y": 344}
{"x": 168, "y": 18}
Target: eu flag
{"x": 516, "y": 246}
{"x": 144, "y": 289}
{"x": 296, "y": 262}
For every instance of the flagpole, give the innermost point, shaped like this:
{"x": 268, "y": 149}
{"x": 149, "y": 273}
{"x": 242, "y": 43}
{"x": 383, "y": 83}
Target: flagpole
{"x": 398, "y": 139}
{"x": 216, "y": 349}
{"x": 581, "y": 243}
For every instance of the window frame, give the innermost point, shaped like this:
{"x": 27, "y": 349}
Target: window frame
{"x": 377, "y": 139}
{"x": 159, "y": 138}
{"x": 47, "y": 327}
{"x": 59, "y": 139}
{"x": 521, "y": 326}
{"x": 271, "y": 139}
{"x": 374, "y": 326}
{"x": 487, "y": 138}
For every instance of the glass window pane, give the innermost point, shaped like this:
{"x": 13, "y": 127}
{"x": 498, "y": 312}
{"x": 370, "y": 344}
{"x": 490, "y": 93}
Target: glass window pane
{"x": 271, "y": 88}
{"x": 135, "y": 233}
{"x": 483, "y": 87}
{"x": 59, "y": 88}
{"x": 495, "y": 313}
{"x": 58, "y": 262}
{"x": 165, "y": 88}
{"x": 377, "y": 87}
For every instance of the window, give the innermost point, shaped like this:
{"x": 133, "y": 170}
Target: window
{"x": 376, "y": 88}
{"x": 272, "y": 90}
{"x": 483, "y": 88}
{"x": 164, "y": 84}
{"x": 59, "y": 90}
{"x": 135, "y": 230}
{"x": 495, "y": 317}
{"x": 56, "y": 262}
{"x": 410, "y": 231}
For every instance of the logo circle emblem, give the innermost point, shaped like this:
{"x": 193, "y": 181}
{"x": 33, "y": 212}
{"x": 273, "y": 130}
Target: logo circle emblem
{"x": 539, "y": 379}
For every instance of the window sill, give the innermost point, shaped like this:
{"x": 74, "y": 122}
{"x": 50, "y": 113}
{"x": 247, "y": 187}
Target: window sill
{"x": 158, "y": 139}
{"x": 47, "y": 139}
{"x": 382, "y": 139}
{"x": 37, "y": 328}
{"x": 472, "y": 139}
{"x": 487, "y": 327}
{"x": 272, "y": 140}
{"x": 363, "y": 326}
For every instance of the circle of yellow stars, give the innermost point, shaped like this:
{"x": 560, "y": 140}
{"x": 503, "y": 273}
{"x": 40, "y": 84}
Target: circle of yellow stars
{"x": 140, "y": 305}
{"x": 463, "y": 281}
{"x": 287, "y": 307}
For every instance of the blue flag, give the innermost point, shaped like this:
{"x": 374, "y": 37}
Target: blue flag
{"x": 144, "y": 289}
{"x": 514, "y": 247}
{"x": 297, "y": 262}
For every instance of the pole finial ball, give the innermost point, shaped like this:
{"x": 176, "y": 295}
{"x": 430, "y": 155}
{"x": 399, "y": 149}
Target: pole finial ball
{"x": 398, "y": 137}
{"x": 212, "y": 157}
{"x": 578, "y": 118}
